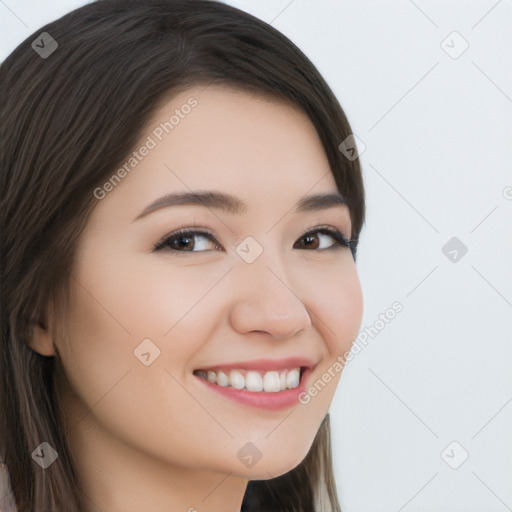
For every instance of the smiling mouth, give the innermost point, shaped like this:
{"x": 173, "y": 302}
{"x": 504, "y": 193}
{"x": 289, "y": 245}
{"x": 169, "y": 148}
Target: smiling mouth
{"x": 272, "y": 381}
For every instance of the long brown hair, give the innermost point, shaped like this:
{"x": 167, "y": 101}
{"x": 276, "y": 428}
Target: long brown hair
{"x": 68, "y": 119}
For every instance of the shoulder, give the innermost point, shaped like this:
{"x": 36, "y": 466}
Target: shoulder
{"x": 7, "y": 503}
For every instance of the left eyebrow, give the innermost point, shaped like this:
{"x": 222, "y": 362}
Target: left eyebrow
{"x": 233, "y": 205}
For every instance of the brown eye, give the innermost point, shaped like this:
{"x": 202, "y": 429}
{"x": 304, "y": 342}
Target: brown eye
{"x": 183, "y": 241}
{"x": 313, "y": 239}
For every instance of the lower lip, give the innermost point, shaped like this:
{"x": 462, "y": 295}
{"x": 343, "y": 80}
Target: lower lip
{"x": 261, "y": 399}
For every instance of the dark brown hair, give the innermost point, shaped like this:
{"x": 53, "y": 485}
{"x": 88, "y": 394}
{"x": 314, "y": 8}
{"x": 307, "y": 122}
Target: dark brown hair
{"x": 67, "y": 121}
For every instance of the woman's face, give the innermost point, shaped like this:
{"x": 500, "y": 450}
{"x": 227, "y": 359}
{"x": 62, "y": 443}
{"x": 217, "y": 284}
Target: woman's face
{"x": 258, "y": 296}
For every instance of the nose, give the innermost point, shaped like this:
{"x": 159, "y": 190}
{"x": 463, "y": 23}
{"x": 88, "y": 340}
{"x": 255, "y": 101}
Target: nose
{"x": 265, "y": 301}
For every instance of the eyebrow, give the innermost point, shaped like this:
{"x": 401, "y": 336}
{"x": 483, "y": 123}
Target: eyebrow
{"x": 233, "y": 205}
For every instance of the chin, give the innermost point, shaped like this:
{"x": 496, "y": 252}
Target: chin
{"x": 272, "y": 468}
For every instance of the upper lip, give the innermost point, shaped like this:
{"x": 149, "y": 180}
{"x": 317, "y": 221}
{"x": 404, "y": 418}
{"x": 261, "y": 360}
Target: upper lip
{"x": 263, "y": 364}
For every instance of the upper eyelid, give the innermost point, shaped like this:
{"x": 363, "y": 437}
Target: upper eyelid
{"x": 200, "y": 230}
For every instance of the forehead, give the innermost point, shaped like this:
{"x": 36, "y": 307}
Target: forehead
{"x": 218, "y": 138}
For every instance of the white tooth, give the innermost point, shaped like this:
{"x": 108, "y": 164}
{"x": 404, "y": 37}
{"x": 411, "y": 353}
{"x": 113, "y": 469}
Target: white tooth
{"x": 253, "y": 381}
{"x": 211, "y": 376}
{"x": 293, "y": 378}
{"x": 236, "y": 379}
{"x": 222, "y": 379}
{"x": 271, "y": 382}
{"x": 282, "y": 381}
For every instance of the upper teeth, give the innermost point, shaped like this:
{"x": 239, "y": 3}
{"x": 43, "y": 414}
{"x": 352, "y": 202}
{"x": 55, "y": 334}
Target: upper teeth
{"x": 272, "y": 381}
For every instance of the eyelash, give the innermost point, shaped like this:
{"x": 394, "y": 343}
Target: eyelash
{"x": 165, "y": 243}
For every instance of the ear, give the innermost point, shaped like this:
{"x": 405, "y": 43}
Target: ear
{"x": 41, "y": 340}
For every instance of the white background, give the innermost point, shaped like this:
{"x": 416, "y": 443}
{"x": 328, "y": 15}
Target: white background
{"x": 437, "y": 133}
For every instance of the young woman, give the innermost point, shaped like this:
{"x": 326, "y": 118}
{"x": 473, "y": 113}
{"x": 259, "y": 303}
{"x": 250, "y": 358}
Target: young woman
{"x": 179, "y": 233}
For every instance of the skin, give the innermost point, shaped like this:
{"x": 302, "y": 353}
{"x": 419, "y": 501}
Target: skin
{"x": 147, "y": 437}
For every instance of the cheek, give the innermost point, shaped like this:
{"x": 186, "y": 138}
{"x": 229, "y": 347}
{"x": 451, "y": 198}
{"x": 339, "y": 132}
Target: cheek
{"x": 117, "y": 305}
{"x": 147, "y": 296}
{"x": 153, "y": 295}
{"x": 338, "y": 302}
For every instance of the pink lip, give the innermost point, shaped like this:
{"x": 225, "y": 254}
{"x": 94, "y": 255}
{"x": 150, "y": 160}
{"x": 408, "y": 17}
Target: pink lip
{"x": 261, "y": 399}
{"x": 264, "y": 364}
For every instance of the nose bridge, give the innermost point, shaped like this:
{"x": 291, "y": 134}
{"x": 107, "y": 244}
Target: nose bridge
{"x": 265, "y": 299}
{"x": 262, "y": 264}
